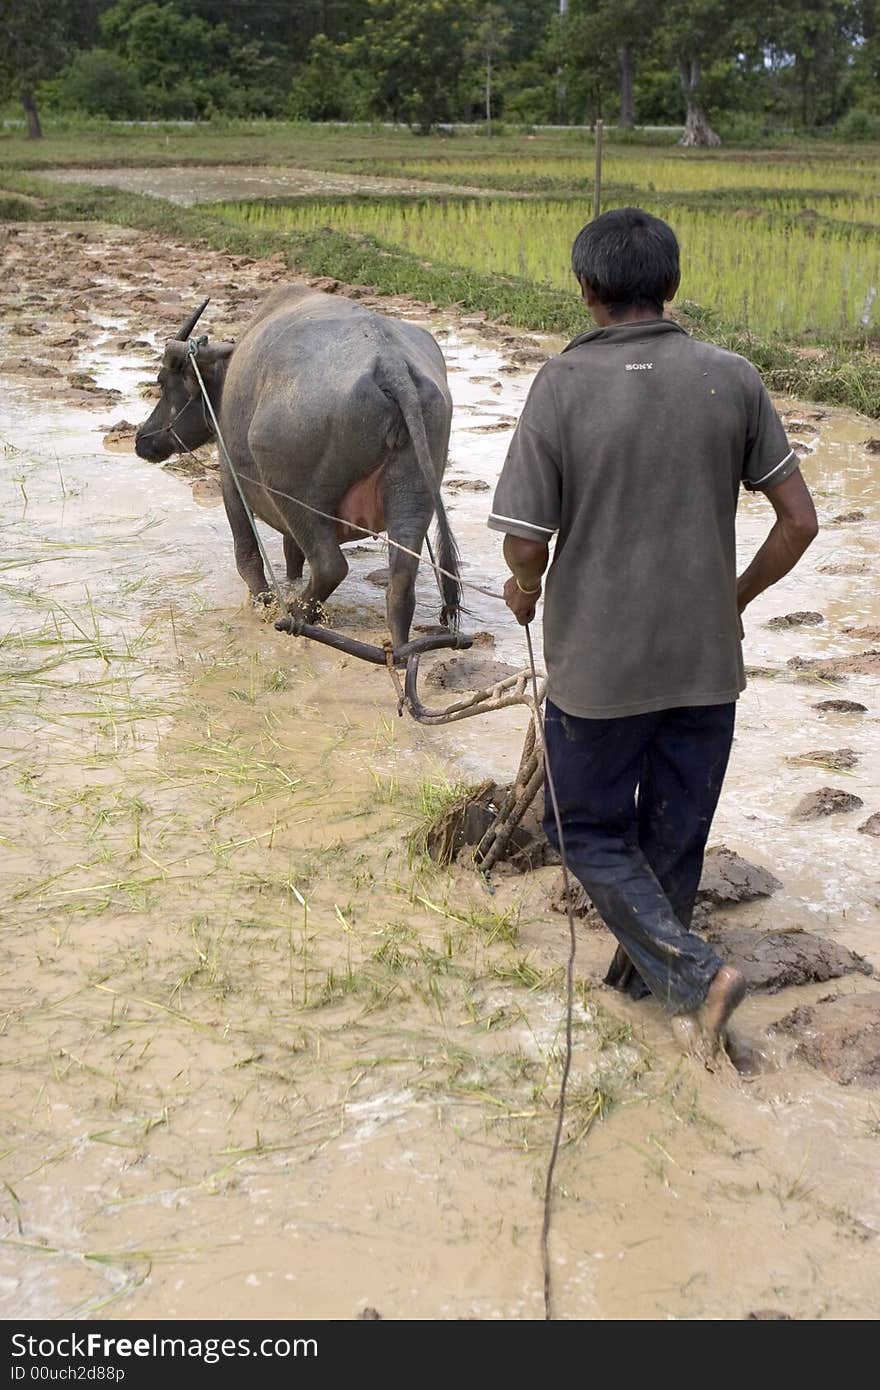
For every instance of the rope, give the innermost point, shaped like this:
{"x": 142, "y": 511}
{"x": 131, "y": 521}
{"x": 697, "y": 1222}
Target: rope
{"x": 551, "y": 788}
{"x": 569, "y": 1002}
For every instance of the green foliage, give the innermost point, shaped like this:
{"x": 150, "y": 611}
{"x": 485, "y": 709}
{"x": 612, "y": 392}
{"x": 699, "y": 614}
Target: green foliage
{"x": 789, "y": 63}
{"x": 102, "y": 83}
{"x": 188, "y": 66}
{"x": 416, "y": 51}
{"x": 34, "y": 41}
{"x": 858, "y": 125}
{"x": 331, "y": 86}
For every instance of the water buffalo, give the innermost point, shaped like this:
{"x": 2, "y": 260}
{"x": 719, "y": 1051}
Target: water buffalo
{"x": 330, "y": 403}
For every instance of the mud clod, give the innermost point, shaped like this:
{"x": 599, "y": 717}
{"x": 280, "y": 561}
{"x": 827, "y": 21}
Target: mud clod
{"x": 841, "y": 707}
{"x": 468, "y": 673}
{"x": 846, "y": 518}
{"x": 845, "y": 567}
{"x": 871, "y": 826}
{"x": 800, "y": 619}
{"x": 775, "y": 960}
{"x": 466, "y": 485}
{"x": 839, "y": 1036}
{"x": 837, "y": 667}
{"x": 871, "y": 633}
{"x": 827, "y": 801}
{"x": 463, "y": 825}
{"x": 834, "y": 759}
{"x": 728, "y": 878}
{"x": 26, "y": 366}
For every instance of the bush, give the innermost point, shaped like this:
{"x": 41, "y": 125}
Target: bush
{"x": 102, "y": 83}
{"x": 858, "y": 125}
{"x": 740, "y": 127}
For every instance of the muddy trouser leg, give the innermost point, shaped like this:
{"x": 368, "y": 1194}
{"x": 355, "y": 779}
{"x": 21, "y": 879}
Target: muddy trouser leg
{"x": 679, "y": 786}
{"x": 596, "y": 766}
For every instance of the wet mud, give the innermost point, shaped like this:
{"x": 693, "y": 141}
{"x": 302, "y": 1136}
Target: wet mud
{"x": 840, "y": 1035}
{"x": 776, "y": 960}
{"x": 267, "y": 1060}
{"x": 187, "y": 184}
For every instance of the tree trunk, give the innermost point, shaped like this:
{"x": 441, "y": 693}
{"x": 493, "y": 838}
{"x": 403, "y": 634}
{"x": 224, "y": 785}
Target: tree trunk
{"x": 627, "y": 97}
{"x": 34, "y": 129}
{"x": 488, "y": 94}
{"x": 697, "y": 128}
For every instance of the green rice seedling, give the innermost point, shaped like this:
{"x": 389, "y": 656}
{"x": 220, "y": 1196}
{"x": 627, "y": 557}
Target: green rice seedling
{"x": 789, "y": 280}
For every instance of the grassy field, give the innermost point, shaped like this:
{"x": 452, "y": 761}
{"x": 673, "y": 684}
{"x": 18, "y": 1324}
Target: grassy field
{"x": 788, "y": 280}
{"x": 780, "y": 247}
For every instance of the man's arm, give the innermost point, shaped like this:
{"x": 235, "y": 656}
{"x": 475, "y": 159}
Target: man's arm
{"x": 795, "y": 528}
{"x": 527, "y": 561}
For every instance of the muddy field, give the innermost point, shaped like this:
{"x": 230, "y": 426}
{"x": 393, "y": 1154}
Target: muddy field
{"x": 261, "y": 1058}
{"x": 188, "y": 185}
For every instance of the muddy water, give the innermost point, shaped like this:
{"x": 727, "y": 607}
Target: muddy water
{"x": 260, "y": 1059}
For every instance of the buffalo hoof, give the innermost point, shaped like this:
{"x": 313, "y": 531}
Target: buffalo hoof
{"x": 311, "y": 610}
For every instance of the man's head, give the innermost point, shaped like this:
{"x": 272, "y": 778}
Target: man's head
{"x": 627, "y": 265}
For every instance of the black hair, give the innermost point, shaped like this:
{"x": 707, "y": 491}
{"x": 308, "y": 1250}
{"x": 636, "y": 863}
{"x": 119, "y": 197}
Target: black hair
{"x": 628, "y": 258}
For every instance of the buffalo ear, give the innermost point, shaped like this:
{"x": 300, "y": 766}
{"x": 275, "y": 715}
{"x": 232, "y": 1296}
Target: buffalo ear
{"x": 215, "y": 352}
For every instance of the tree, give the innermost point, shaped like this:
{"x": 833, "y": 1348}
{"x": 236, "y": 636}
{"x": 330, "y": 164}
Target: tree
{"x": 416, "y": 51}
{"x": 813, "y": 42}
{"x": 488, "y": 44}
{"x": 599, "y": 41}
{"x": 330, "y": 86}
{"x": 33, "y": 44}
{"x": 102, "y": 84}
{"x": 582, "y": 45}
{"x": 695, "y": 33}
{"x": 188, "y": 66}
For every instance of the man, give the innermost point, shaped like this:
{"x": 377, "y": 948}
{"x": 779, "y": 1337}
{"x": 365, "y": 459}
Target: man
{"x": 631, "y": 449}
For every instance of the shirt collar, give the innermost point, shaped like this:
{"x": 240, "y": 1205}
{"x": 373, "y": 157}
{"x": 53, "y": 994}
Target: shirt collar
{"x": 632, "y": 332}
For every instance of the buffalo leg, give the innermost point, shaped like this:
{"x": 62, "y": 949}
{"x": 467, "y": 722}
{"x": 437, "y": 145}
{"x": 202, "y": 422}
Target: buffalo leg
{"x": 293, "y": 559}
{"x": 401, "y": 597}
{"x": 247, "y": 554}
{"x": 327, "y": 569}
{"x": 408, "y": 512}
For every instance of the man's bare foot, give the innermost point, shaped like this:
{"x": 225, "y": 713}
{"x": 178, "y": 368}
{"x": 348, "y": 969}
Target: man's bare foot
{"x": 702, "y": 1033}
{"x": 726, "y": 993}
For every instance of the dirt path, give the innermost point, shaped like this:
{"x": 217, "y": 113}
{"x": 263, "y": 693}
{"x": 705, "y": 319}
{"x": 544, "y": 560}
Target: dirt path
{"x": 261, "y": 1058}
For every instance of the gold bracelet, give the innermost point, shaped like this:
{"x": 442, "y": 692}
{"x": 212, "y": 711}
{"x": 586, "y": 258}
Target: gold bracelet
{"x": 530, "y": 592}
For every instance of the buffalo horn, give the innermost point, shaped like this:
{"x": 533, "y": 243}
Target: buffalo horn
{"x": 189, "y": 324}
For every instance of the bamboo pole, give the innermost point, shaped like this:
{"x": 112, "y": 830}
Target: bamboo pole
{"x": 597, "y": 181}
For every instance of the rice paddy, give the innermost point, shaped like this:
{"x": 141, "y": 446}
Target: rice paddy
{"x": 787, "y": 280}
{"x": 664, "y": 172}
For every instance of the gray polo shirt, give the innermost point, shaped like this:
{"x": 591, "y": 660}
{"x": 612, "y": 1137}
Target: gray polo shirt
{"x": 631, "y": 449}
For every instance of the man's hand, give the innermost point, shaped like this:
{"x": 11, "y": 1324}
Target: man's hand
{"x": 521, "y": 605}
{"x": 528, "y": 561}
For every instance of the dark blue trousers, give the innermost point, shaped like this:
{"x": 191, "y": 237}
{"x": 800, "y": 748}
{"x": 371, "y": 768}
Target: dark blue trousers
{"x": 636, "y": 799}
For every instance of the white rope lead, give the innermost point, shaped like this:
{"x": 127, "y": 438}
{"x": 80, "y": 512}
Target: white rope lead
{"x": 569, "y": 1001}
